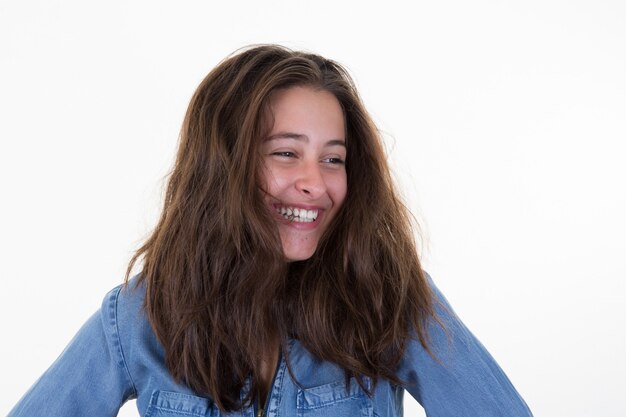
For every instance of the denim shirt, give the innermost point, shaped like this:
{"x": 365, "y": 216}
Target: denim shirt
{"x": 116, "y": 357}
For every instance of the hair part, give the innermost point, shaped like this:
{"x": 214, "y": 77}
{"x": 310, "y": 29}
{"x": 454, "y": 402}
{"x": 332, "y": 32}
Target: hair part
{"x": 218, "y": 288}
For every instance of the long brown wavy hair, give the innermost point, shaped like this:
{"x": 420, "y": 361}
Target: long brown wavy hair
{"x": 218, "y": 288}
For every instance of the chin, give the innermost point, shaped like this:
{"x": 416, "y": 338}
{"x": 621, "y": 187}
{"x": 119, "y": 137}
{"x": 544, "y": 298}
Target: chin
{"x": 299, "y": 254}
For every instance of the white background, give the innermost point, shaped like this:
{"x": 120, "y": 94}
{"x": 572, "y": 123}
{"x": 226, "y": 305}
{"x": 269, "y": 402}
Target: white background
{"x": 504, "y": 121}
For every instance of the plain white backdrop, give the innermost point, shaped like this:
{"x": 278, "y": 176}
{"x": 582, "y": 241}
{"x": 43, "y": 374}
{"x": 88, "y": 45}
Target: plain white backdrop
{"x": 505, "y": 123}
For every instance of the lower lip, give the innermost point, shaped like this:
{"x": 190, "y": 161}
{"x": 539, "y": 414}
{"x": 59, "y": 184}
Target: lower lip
{"x": 300, "y": 225}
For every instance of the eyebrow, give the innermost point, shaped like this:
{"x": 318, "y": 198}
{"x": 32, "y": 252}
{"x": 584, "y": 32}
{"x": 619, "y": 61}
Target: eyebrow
{"x": 304, "y": 138}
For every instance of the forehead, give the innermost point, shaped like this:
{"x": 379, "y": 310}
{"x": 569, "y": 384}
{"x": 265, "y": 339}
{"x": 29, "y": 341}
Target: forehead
{"x": 307, "y": 109}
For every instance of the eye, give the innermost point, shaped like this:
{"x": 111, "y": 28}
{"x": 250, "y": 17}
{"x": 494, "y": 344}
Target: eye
{"x": 334, "y": 160}
{"x": 284, "y": 154}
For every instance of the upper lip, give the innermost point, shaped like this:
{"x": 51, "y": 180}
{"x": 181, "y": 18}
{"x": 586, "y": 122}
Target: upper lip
{"x": 299, "y": 206}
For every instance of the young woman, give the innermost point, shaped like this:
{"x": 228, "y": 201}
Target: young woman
{"x": 282, "y": 278}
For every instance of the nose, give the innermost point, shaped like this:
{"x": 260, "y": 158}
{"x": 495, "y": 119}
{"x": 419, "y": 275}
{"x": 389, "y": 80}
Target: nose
{"x": 310, "y": 181}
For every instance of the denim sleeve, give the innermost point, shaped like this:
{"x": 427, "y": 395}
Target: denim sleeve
{"x": 461, "y": 378}
{"x": 89, "y": 378}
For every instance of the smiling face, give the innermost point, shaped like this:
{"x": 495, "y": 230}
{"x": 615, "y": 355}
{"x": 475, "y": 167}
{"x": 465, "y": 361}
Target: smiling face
{"x": 304, "y": 175}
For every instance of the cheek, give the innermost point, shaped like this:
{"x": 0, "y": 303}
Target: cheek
{"x": 338, "y": 189}
{"x": 270, "y": 180}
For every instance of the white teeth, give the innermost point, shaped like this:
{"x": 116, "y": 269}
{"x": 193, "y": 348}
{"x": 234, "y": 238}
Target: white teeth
{"x": 297, "y": 214}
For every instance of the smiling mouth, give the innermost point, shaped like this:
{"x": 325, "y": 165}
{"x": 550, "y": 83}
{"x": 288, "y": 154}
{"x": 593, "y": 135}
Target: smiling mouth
{"x": 298, "y": 215}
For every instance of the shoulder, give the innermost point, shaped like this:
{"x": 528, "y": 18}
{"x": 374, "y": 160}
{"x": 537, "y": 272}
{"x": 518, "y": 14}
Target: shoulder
{"x": 122, "y": 309}
{"x": 129, "y": 330}
{"x": 458, "y": 376}
{"x": 125, "y": 302}
{"x": 139, "y": 349}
